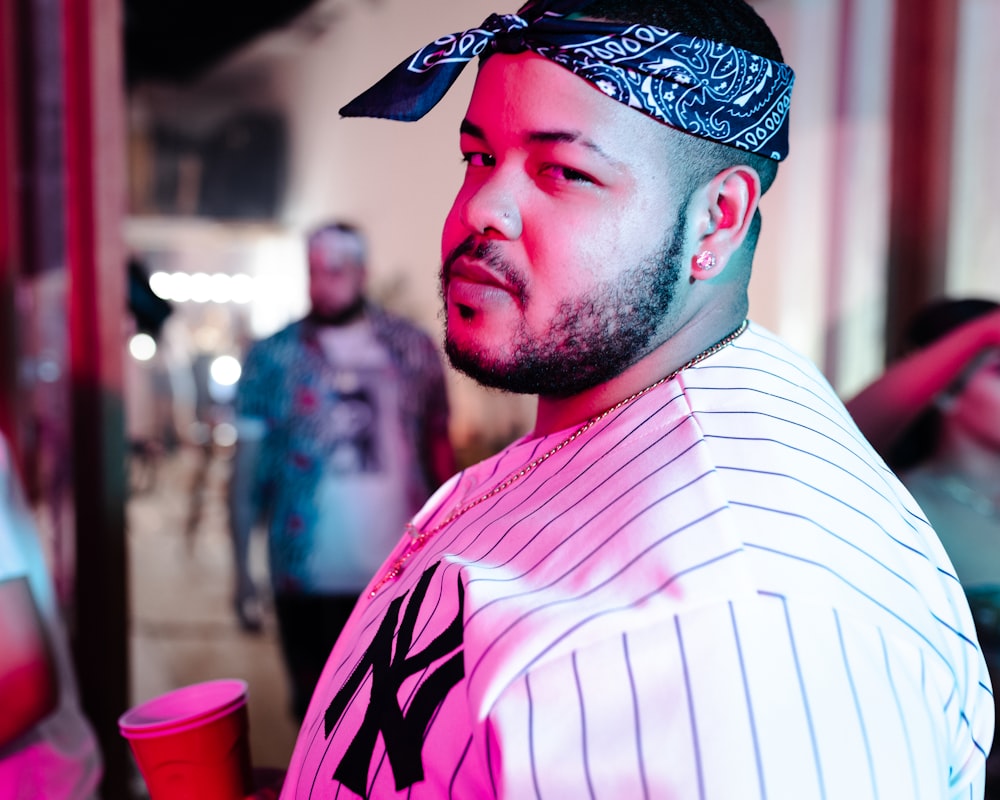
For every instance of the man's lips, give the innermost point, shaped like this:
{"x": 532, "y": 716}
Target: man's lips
{"x": 473, "y": 286}
{"x": 474, "y": 272}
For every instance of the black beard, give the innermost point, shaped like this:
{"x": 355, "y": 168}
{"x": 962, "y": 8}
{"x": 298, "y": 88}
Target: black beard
{"x": 590, "y": 340}
{"x": 345, "y": 316}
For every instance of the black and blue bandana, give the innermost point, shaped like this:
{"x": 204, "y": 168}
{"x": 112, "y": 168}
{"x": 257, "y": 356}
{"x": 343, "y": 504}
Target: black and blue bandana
{"x": 705, "y": 88}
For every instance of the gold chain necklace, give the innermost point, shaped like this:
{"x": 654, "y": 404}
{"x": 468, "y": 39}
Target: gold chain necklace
{"x": 420, "y": 538}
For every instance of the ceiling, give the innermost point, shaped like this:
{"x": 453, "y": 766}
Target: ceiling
{"x": 177, "y": 41}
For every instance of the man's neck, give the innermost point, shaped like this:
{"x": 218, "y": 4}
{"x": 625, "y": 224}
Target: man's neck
{"x": 560, "y": 413}
{"x": 338, "y": 319}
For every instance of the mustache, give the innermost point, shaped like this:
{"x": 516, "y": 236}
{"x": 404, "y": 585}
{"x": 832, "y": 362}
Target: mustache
{"x": 490, "y": 254}
{"x": 464, "y": 248}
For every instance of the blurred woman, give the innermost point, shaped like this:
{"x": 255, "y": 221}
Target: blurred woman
{"x": 935, "y": 416}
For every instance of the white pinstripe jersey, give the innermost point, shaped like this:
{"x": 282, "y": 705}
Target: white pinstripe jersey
{"x": 718, "y": 592}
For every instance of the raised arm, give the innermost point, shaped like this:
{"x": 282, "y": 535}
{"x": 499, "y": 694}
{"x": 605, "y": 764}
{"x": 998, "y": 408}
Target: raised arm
{"x": 886, "y": 406}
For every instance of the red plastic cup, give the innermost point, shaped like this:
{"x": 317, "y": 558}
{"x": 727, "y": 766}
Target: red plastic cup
{"x": 193, "y": 743}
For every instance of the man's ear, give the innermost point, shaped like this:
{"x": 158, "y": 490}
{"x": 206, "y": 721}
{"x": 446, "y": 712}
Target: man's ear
{"x": 725, "y": 214}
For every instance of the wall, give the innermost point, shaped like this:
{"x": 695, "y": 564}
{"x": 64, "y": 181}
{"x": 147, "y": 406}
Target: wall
{"x": 974, "y": 254}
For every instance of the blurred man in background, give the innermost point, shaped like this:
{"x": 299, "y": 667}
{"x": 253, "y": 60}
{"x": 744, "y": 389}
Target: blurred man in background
{"x": 343, "y": 433}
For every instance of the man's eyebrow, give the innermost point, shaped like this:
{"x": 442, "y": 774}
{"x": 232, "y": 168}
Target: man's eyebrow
{"x": 540, "y": 137}
{"x": 471, "y": 129}
{"x": 559, "y": 136}
{"x": 569, "y": 137}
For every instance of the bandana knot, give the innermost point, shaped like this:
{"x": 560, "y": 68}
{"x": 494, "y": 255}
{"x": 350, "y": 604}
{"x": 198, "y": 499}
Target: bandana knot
{"x": 460, "y": 48}
{"x": 510, "y": 42}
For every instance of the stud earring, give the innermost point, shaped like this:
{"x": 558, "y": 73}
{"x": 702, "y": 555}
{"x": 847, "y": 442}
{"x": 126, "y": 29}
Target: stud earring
{"x": 706, "y": 260}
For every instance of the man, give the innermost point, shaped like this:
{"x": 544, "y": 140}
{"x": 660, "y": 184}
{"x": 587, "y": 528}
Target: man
{"x": 694, "y": 578}
{"x": 343, "y": 422}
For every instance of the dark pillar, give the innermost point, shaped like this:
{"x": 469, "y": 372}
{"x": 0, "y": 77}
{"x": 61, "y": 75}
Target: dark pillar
{"x": 95, "y": 257}
{"x": 923, "y": 79}
{"x": 9, "y": 224}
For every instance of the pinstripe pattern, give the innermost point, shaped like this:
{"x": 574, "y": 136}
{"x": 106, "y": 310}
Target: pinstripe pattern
{"x": 719, "y": 592}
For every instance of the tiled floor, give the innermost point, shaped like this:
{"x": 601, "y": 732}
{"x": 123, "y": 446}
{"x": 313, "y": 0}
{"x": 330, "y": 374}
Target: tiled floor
{"x": 182, "y": 626}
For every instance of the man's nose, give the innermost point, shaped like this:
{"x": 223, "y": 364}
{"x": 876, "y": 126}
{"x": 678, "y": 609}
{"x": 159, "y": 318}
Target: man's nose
{"x": 491, "y": 209}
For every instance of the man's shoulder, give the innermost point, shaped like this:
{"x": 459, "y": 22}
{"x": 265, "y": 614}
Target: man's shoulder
{"x": 383, "y": 316}
{"x": 389, "y": 323}
{"x": 770, "y": 354}
{"x": 289, "y": 335}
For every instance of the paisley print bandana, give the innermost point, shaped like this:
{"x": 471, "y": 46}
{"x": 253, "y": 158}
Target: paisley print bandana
{"x": 705, "y": 88}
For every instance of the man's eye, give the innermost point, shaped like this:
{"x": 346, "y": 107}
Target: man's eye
{"x": 479, "y": 159}
{"x": 559, "y": 172}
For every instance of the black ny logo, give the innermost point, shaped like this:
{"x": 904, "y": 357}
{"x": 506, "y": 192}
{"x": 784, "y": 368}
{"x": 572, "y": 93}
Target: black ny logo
{"x": 403, "y": 734}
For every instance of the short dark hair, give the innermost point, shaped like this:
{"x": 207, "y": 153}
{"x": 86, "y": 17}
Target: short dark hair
{"x": 731, "y": 22}
{"x": 932, "y": 322}
{"x": 940, "y": 317}
{"x": 340, "y": 226}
